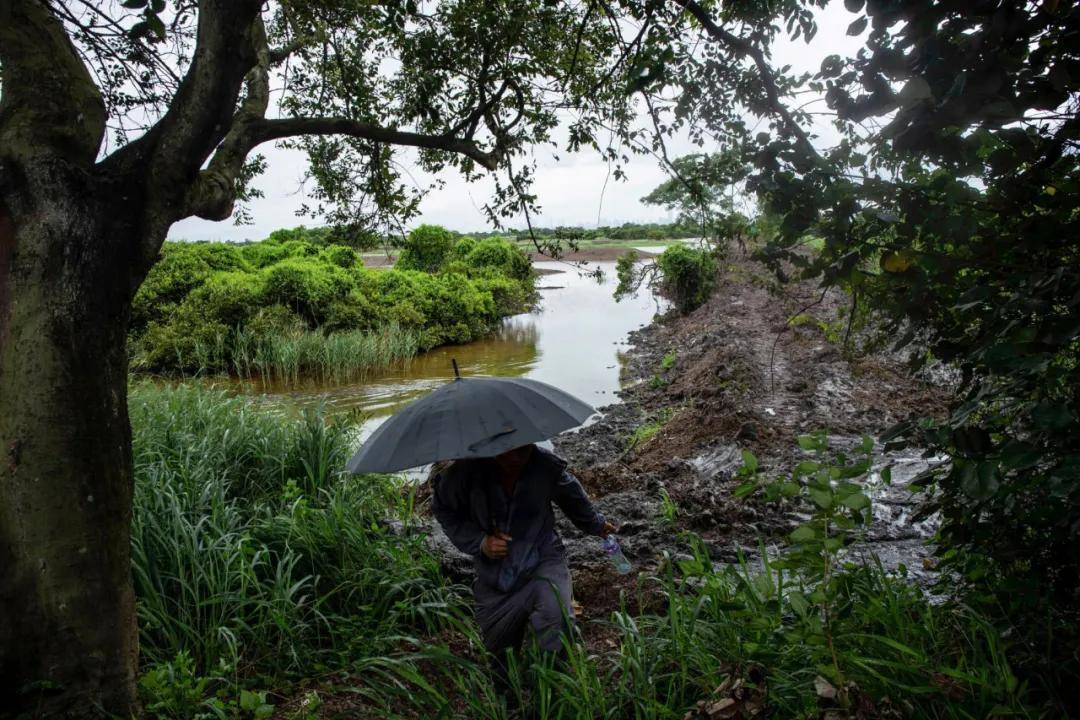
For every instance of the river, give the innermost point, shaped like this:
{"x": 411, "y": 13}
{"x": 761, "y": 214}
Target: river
{"x": 571, "y": 339}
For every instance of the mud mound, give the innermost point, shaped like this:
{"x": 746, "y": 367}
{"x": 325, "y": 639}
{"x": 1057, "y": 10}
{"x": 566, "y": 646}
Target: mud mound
{"x": 738, "y": 373}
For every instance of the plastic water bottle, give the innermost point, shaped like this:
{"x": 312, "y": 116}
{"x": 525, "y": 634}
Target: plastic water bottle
{"x": 611, "y": 547}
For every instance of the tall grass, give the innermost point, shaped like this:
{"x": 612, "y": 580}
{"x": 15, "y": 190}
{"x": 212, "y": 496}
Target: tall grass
{"x": 288, "y": 357}
{"x": 733, "y": 633}
{"x": 253, "y": 552}
{"x": 257, "y": 563}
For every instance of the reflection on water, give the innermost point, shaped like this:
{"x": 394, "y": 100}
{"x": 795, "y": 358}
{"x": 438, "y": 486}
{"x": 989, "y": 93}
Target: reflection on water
{"x": 571, "y": 340}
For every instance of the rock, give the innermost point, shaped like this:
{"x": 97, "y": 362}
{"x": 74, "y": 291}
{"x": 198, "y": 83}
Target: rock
{"x": 748, "y": 431}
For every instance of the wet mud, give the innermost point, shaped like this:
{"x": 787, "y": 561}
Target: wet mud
{"x": 733, "y": 375}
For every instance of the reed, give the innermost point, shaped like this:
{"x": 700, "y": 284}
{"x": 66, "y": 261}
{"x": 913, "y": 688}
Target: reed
{"x": 289, "y": 358}
{"x": 252, "y": 551}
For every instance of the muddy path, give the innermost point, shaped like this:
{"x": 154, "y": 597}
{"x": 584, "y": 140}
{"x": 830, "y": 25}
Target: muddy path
{"x": 737, "y": 374}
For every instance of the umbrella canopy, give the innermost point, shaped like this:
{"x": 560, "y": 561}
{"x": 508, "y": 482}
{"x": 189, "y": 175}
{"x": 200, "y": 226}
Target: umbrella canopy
{"x": 469, "y": 418}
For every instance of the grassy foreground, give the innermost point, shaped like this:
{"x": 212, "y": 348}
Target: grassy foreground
{"x": 268, "y": 582}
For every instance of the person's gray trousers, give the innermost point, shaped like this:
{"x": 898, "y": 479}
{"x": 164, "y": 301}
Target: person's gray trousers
{"x": 544, "y": 602}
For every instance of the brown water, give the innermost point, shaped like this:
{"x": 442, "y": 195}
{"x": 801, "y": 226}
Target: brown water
{"x": 572, "y": 340}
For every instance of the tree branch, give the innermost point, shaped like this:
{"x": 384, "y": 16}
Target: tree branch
{"x": 746, "y": 48}
{"x": 170, "y": 153}
{"x": 213, "y": 195}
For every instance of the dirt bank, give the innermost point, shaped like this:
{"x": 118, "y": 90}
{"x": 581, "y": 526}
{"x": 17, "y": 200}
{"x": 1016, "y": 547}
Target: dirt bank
{"x": 733, "y": 375}
{"x": 736, "y": 374}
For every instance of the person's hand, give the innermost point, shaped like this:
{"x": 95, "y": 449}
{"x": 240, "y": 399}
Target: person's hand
{"x": 608, "y": 529}
{"x": 496, "y": 546}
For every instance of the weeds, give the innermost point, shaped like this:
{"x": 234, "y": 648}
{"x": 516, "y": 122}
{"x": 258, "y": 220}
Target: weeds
{"x": 289, "y": 357}
{"x": 257, "y": 563}
{"x": 254, "y": 555}
{"x": 646, "y": 432}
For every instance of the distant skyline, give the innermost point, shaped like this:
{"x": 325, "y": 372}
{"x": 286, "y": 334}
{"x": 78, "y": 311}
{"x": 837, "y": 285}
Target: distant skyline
{"x": 570, "y": 191}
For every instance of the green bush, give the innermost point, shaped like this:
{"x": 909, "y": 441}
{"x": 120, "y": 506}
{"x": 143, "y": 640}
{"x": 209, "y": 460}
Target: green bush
{"x": 259, "y": 255}
{"x": 341, "y": 255}
{"x": 426, "y": 248}
{"x": 687, "y": 276}
{"x": 214, "y": 307}
{"x": 181, "y": 268}
{"x": 307, "y": 285}
{"x": 500, "y": 255}
{"x": 462, "y": 248}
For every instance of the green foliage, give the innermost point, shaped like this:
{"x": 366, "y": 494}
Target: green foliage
{"x": 254, "y": 556}
{"x": 669, "y": 509}
{"x": 256, "y": 560}
{"x": 955, "y": 221}
{"x": 687, "y": 276}
{"x": 283, "y": 310}
{"x": 306, "y": 285}
{"x": 737, "y": 637}
{"x": 341, "y": 255}
{"x": 702, "y": 190}
{"x": 426, "y": 248}
{"x": 647, "y": 431}
{"x": 497, "y": 255}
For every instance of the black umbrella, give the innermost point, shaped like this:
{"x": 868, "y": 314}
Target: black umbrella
{"x": 469, "y": 418}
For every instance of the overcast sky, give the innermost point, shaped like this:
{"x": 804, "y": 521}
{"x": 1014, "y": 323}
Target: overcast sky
{"x": 571, "y": 190}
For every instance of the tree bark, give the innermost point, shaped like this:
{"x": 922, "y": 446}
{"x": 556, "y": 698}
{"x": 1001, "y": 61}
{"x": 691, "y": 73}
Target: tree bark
{"x": 68, "y": 641}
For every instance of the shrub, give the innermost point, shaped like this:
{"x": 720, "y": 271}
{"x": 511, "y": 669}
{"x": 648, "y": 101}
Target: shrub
{"x": 501, "y": 255}
{"x": 340, "y": 255}
{"x": 182, "y": 267}
{"x": 259, "y": 255}
{"x": 426, "y": 248}
{"x": 214, "y": 307}
{"x": 688, "y": 276}
{"x": 306, "y": 285}
{"x": 462, "y": 248}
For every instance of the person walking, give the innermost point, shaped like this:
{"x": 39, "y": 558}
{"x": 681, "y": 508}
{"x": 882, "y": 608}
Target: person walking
{"x": 499, "y": 511}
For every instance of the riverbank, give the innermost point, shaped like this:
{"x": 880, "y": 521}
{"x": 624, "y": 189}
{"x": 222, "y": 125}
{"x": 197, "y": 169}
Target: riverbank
{"x": 737, "y": 375}
{"x": 328, "y": 601}
{"x": 596, "y": 253}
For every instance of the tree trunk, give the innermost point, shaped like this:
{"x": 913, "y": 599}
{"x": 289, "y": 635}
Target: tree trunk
{"x": 68, "y": 641}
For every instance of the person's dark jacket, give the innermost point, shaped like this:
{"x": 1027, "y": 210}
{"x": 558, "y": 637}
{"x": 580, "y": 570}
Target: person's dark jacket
{"x": 469, "y": 503}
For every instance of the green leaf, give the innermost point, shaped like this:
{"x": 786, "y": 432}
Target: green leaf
{"x": 823, "y": 498}
{"x": 806, "y": 467}
{"x": 798, "y": 603}
{"x": 790, "y": 489}
{"x": 854, "y": 6}
{"x": 250, "y": 701}
{"x": 803, "y": 533}
{"x": 745, "y": 489}
{"x": 857, "y": 27}
{"x": 134, "y": 4}
{"x": 856, "y": 501}
{"x": 750, "y": 463}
